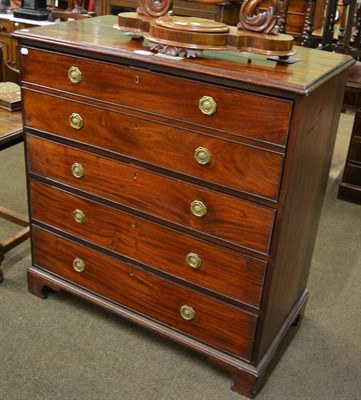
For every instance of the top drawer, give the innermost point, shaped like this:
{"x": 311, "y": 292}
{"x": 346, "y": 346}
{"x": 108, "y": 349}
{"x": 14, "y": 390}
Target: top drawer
{"x": 260, "y": 117}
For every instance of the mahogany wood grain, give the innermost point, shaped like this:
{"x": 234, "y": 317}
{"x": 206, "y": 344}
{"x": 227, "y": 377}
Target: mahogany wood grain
{"x": 227, "y": 12}
{"x": 228, "y": 218}
{"x": 223, "y": 326}
{"x": 138, "y": 223}
{"x": 297, "y": 14}
{"x": 151, "y": 244}
{"x": 239, "y": 70}
{"x": 313, "y": 133}
{"x": 168, "y": 33}
{"x": 246, "y": 168}
{"x": 139, "y": 89}
{"x": 246, "y": 376}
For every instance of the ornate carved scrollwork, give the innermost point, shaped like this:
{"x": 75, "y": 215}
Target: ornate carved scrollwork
{"x": 155, "y": 8}
{"x": 177, "y": 36}
{"x": 251, "y": 19}
{"x": 174, "y": 51}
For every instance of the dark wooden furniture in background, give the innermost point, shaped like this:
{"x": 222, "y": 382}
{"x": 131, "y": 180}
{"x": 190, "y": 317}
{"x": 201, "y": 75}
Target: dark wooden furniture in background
{"x": 342, "y": 28}
{"x": 9, "y": 24}
{"x": 227, "y": 12}
{"x": 345, "y": 37}
{"x": 296, "y": 18}
{"x": 185, "y": 195}
{"x": 11, "y": 133}
{"x": 75, "y": 10}
{"x": 350, "y": 187}
{"x": 296, "y": 12}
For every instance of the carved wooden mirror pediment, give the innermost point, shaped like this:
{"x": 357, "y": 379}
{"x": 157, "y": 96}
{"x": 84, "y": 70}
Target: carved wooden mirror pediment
{"x": 257, "y": 30}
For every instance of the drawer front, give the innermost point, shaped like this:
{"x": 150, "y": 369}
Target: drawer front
{"x": 225, "y": 217}
{"x": 223, "y": 162}
{"x": 355, "y": 152}
{"x": 215, "y": 323}
{"x": 226, "y": 272}
{"x": 352, "y": 174}
{"x": 256, "y": 116}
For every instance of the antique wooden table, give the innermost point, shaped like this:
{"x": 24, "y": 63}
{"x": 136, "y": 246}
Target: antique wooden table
{"x": 181, "y": 194}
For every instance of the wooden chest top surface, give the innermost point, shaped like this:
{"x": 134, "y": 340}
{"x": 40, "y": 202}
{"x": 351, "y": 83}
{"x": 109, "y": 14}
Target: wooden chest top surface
{"x": 99, "y": 37}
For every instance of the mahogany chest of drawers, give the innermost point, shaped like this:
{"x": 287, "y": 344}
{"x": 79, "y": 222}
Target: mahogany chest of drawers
{"x": 183, "y": 195}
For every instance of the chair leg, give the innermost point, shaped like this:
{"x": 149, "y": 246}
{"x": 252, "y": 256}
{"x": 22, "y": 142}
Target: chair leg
{"x": 13, "y": 216}
{"x": 15, "y": 239}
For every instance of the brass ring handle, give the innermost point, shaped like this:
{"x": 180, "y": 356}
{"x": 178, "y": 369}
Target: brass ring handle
{"x": 75, "y": 76}
{"x": 78, "y": 265}
{"x": 202, "y": 155}
{"x": 76, "y": 121}
{"x": 193, "y": 260}
{"x": 78, "y": 170}
{"x": 207, "y": 105}
{"x": 187, "y": 312}
{"x": 79, "y": 216}
{"x": 198, "y": 208}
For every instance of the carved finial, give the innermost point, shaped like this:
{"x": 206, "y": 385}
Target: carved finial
{"x": 154, "y": 8}
{"x": 263, "y": 22}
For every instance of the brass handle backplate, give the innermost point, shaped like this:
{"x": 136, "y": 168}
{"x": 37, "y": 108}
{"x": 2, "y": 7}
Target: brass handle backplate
{"x": 198, "y": 208}
{"x": 76, "y": 121}
{"x": 78, "y": 170}
{"x": 193, "y": 260}
{"x": 74, "y": 74}
{"x": 78, "y": 265}
{"x": 187, "y": 312}
{"x": 207, "y": 105}
{"x": 79, "y": 216}
{"x": 202, "y": 155}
